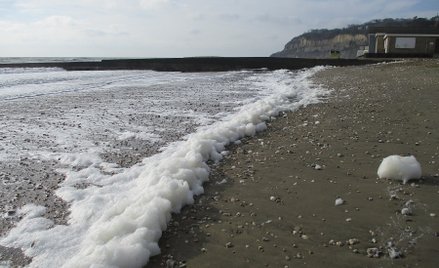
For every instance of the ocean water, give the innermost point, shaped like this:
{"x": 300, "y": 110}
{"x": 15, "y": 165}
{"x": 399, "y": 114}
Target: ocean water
{"x": 169, "y": 125}
{"x": 4, "y": 60}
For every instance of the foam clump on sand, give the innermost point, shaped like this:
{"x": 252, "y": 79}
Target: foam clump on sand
{"x": 403, "y": 168}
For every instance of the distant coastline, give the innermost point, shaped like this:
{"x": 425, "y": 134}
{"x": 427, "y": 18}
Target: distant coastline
{"x": 26, "y": 60}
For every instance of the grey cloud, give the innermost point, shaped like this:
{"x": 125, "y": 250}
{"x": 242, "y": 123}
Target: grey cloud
{"x": 280, "y": 20}
{"x": 195, "y": 32}
{"x": 230, "y": 17}
{"x": 102, "y": 33}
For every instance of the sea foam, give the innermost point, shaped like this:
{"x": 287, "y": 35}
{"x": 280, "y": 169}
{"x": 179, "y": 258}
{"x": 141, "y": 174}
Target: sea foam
{"x": 118, "y": 220}
{"x": 403, "y": 168}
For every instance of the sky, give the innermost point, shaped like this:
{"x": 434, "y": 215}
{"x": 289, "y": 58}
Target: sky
{"x": 179, "y": 28}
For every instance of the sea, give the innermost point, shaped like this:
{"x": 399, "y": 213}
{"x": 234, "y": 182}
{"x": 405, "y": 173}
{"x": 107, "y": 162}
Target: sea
{"x": 132, "y": 148}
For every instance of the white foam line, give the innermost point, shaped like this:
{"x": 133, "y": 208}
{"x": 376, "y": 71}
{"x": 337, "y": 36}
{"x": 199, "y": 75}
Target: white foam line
{"x": 119, "y": 222}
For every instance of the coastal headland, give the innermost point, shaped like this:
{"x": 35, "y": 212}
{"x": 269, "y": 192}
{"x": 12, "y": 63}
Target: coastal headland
{"x": 272, "y": 201}
{"x": 196, "y": 64}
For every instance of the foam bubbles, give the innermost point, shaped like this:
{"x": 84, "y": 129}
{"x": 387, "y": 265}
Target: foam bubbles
{"x": 118, "y": 219}
{"x": 403, "y": 168}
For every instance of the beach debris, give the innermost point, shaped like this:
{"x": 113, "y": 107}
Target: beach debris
{"x": 221, "y": 182}
{"x": 339, "y": 201}
{"x": 348, "y": 219}
{"x": 409, "y": 203}
{"x": 414, "y": 185}
{"x": 406, "y": 211}
{"x": 170, "y": 263}
{"x": 229, "y": 245}
{"x": 297, "y": 230}
{"x": 225, "y": 153}
{"x": 339, "y": 243}
{"x": 272, "y": 198}
{"x": 393, "y": 196}
{"x": 403, "y": 168}
{"x": 10, "y": 213}
{"x": 394, "y": 253}
{"x": 318, "y": 167}
{"x": 432, "y": 214}
{"x": 353, "y": 241}
{"x": 373, "y": 252}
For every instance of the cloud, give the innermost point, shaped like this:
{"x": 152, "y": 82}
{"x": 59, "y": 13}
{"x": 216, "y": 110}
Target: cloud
{"x": 54, "y": 30}
{"x": 152, "y": 4}
{"x": 56, "y": 22}
{"x": 195, "y": 32}
{"x": 229, "y": 16}
{"x": 279, "y": 20}
{"x": 180, "y": 28}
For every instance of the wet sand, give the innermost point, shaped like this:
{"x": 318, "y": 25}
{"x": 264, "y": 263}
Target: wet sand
{"x": 271, "y": 202}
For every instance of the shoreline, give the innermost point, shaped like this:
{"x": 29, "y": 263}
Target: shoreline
{"x": 276, "y": 208}
{"x": 20, "y": 238}
{"x": 270, "y": 202}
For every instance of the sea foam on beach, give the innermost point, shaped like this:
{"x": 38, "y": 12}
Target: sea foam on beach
{"x": 403, "y": 168}
{"x": 118, "y": 219}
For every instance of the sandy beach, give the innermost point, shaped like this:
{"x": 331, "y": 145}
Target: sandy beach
{"x": 271, "y": 202}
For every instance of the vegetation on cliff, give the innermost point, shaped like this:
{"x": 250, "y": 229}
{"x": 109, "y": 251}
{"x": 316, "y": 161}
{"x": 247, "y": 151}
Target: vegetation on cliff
{"x": 318, "y": 43}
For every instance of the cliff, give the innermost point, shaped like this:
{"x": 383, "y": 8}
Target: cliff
{"x": 319, "y": 43}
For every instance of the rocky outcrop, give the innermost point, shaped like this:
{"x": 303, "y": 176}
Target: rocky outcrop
{"x": 304, "y": 47}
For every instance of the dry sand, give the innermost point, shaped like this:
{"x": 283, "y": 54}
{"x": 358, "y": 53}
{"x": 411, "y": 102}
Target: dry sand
{"x": 276, "y": 209}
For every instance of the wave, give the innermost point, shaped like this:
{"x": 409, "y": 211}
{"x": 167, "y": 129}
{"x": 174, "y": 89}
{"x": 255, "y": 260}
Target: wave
{"x": 118, "y": 220}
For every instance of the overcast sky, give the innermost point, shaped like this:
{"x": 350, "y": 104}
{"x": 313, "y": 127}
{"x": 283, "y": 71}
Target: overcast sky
{"x": 179, "y": 28}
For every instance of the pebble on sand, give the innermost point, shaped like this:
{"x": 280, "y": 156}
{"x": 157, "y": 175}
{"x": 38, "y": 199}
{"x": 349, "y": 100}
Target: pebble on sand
{"x": 339, "y": 201}
{"x": 373, "y": 252}
{"x": 394, "y": 253}
{"x": 406, "y": 211}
